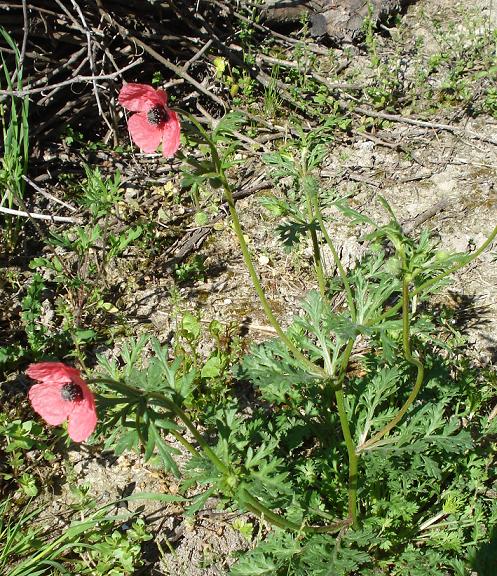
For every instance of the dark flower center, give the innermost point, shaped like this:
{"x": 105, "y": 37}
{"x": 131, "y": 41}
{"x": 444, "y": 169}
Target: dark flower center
{"x": 71, "y": 392}
{"x": 157, "y": 115}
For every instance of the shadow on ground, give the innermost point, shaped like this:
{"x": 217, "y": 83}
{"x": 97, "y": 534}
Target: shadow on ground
{"x": 484, "y": 560}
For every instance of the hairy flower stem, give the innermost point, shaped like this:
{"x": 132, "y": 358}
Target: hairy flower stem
{"x": 251, "y": 503}
{"x": 410, "y": 358}
{"x": 184, "y": 442}
{"x": 339, "y": 393}
{"x": 336, "y": 259}
{"x": 318, "y": 265}
{"x": 349, "y": 442}
{"x": 257, "y": 285}
{"x": 246, "y": 254}
{"x": 137, "y": 396}
{"x": 258, "y": 288}
{"x": 181, "y": 414}
{"x": 307, "y": 184}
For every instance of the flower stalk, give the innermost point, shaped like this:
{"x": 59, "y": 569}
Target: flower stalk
{"x": 314, "y": 368}
{"x": 347, "y": 435}
{"x": 336, "y": 258}
{"x": 307, "y": 184}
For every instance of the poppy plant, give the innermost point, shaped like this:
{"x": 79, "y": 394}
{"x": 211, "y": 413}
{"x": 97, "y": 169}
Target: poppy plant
{"x": 153, "y": 122}
{"x": 61, "y": 395}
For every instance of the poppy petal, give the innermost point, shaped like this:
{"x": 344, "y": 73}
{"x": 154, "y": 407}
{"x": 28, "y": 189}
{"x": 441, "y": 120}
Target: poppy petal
{"x": 170, "y": 134}
{"x": 82, "y": 421}
{"x": 145, "y": 135}
{"x": 141, "y": 97}
{"x": 83, "y": 417}
{"x": 52, "y": 372}
{"x": 47, "y": 401}
{"x": 88, "y": 397}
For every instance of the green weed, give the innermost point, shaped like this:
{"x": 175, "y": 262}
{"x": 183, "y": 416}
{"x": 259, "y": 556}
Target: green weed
{"x": 17, "y": 471}
{"x": 192, "y": 270}
{"x": 81, "y": 255}
{"x": 15, "y": 149}
{"x": 101, "y": 543}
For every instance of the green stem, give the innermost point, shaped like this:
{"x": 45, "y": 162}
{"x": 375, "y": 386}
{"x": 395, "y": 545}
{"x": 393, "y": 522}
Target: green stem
{"x": 318, "y": 264}
{"x": 137, "y": 396}
{"x": 262, "y": 511}
{"x": 349, "y": 442}
{"x": 338, "y": 262}
{"x": 250, "y": 501}
{"x": 184, "y": 442}
{"x": 429, "y": 283}
{"x": 410, "y": 358}
{"x": 246, "y": 254}
{"x": 259, "y": 509}
{"x": 257, "y": 285}
{"x": 339, "y": 394}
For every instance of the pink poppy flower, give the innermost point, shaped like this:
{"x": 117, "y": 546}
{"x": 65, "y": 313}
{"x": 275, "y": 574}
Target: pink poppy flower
{"x": 63, "y": 395}
{"x": 153, "y": 122}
